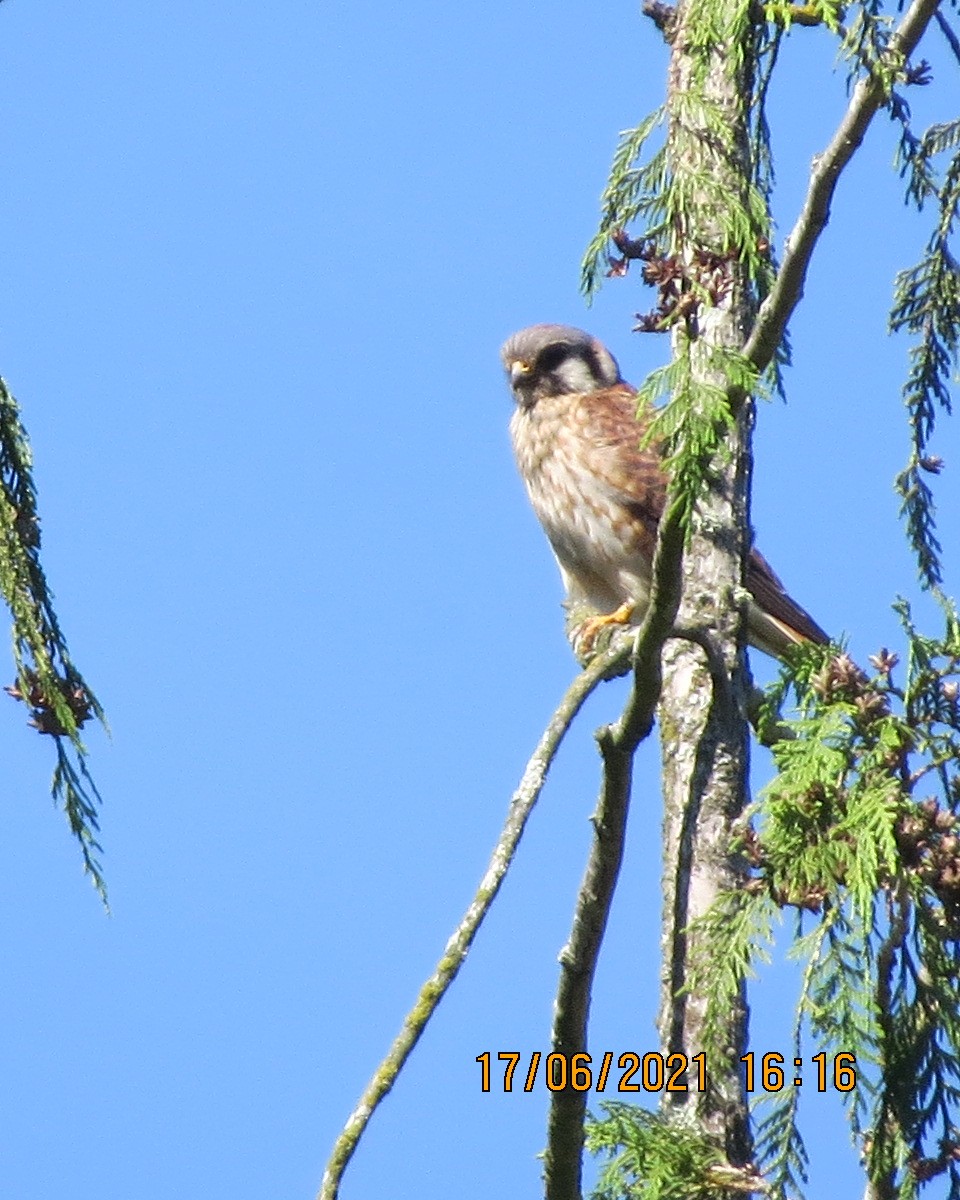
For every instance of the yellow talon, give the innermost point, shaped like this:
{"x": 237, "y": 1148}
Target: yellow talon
{"x": 587, "y": 634}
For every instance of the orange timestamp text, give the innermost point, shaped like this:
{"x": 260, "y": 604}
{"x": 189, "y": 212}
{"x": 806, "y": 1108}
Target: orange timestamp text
{"x": 651, "y": 1072}
{"x": 656, "y": 1072}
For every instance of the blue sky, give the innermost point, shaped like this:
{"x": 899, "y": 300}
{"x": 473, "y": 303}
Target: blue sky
{"x": 257, "y": 264}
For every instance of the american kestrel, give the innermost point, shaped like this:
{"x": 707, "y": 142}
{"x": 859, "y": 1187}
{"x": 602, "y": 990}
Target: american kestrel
{"x": 598, "y": 496}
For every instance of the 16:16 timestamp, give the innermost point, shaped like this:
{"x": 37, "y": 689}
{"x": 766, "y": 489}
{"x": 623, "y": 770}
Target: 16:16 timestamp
{"x": 654, "y": 1072}
{"x": 837, "y": 1071}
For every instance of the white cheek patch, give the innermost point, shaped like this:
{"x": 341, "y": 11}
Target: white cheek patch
{"x": 575, "y": 375}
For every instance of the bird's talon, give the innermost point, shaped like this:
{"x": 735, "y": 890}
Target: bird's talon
{"x": 587, "y": 634}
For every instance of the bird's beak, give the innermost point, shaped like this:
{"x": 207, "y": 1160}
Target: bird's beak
{"x": 518, "y": 370}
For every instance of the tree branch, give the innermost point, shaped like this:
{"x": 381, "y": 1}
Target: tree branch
{"x": 947, "y": 31}
{"x": 868, "y": 97}
{"x": 665, "y": 593}
{"x": 59, "y": 699}
{"x": 578, "y": 959}
{"x": 768, "y": 732}
{"x": 434, "y": 989}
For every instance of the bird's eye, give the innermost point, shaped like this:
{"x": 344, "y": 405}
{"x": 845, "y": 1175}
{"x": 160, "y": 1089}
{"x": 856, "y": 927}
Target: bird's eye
{"x": 552, "y": 356}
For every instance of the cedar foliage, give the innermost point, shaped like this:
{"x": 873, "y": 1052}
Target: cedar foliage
{"x": 48, "y": 682}
{"x": 858, "y": 834}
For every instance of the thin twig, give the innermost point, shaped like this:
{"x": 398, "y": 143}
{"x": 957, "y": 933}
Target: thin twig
{"x": 769, "y": 730}
{"x": 433, "y": 991}
{"x": 563, "y": 1158}
{"x": 947, "y": 31}
{"x": 868, "y": 97}
{"x": 934, "y": 765}
{"x": 898, "y": 908}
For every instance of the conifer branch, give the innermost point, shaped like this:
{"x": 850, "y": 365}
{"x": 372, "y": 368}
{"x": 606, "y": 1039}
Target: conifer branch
{"x": 947, "y": 30}
{"x": 455, "y": 952}
{"x": 59, "y": 700}
{"x": 869, "y": 95}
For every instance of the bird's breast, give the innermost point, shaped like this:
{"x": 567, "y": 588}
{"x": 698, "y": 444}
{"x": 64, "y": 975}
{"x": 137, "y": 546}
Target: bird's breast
{"x": 587, "y": 524}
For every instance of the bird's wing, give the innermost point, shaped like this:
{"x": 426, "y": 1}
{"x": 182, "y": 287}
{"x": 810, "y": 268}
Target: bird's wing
{"x": 637, "y": 480}
{"x": 772, "y": 597}
{"x": 634, "y": 477}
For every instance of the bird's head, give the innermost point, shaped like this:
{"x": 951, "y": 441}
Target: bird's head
{"x": 556, "y": 360}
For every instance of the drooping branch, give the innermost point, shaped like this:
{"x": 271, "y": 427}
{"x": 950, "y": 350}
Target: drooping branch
{"x": 947, "y": 30}
{"x": 455, "y": 952}
{"x": 48, "y": 682}
{"x": 867, "y": 99}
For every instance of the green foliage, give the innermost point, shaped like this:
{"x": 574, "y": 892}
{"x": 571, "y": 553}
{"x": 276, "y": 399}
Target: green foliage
{"x": 670, "y": 196}
{"x": 692, "y": 429}
{"x": 652, "y": 1157}
{"x": 865, "y": 43}
{"x": 743, "y": 924}
{"x": 842, "y": 836}
{"x": 701, "y": 240}
{"x": 927, "y": 305}
{"x": 834, "y": 783}
{"x": 632, "y": 191}
{"x": 677, "y": 192}
{"x": 860, "y": 832}
{"x": 47, "y": 680}
{"x": 780, "y": 1144}
{"x": 818, "y": 12}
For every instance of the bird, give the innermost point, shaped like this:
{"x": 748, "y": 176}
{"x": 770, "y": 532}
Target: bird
{"x": 599, "y": 496}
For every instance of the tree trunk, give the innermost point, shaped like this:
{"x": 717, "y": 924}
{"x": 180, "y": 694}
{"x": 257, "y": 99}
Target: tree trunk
{"x": 703, "y": 704}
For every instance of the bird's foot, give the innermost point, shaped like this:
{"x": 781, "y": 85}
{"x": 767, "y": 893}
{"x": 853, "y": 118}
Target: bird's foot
{"x": 586, "y": 636}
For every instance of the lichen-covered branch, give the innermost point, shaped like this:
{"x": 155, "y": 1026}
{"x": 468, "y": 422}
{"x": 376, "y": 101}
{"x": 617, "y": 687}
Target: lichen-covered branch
{"x": 563, "y": 1158}
{"x": 578, "y": 959}
{"x": 455, "y": 952}
{"x": 868, "y": 97}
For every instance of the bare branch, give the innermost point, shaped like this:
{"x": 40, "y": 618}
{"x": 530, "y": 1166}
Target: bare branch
{"x": 768, "y": 732}
{"x": 868, "y": 97}
{"x": 947, "y": 30}
{"x": 434, "y": 989}
{"x": 665, "y": 593}
{"x": 578, "y": 959}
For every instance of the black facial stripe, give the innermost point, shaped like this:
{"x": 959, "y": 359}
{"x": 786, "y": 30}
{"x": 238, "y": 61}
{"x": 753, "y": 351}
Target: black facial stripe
{"x": 592, "y": 359}
{"x": 552, "y": 356}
